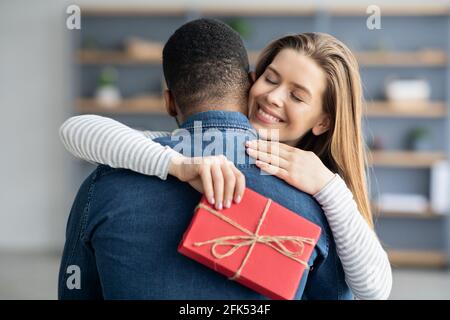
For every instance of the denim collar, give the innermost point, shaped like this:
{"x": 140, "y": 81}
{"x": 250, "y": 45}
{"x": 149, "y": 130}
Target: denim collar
{"x": 218, "y": 119}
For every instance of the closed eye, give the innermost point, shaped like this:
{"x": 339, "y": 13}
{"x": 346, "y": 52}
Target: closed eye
{"x": 270, "y": 80}
{"x": 294, "y": 97}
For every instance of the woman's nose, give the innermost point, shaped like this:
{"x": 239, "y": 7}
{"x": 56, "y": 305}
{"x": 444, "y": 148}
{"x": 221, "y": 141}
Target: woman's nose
{"x": 275, "y": 97}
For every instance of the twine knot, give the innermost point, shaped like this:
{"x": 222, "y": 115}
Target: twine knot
{"x": 251, "y": 238}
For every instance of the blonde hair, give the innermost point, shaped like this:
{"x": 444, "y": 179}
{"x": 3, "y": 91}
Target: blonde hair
{"x": 341, "y": 148}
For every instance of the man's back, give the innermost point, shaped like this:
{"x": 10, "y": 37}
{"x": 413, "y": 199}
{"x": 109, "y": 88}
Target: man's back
{"x": 132, "y": 225}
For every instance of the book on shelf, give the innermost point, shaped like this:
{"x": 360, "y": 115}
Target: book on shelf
{"x": 439, "y": 187}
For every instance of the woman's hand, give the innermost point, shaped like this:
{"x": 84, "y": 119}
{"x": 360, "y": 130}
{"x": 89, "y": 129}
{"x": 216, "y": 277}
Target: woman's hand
{"x": 215, "y": 176}
{"x": 301, "y": 169}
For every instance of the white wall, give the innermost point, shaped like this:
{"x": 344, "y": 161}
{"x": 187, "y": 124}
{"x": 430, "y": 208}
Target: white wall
{"x": 36, "y": 189}
{"x": 34, "y": 101}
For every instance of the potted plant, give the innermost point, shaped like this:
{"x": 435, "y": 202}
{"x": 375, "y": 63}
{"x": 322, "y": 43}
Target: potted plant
{"x": 419, "y": 139}
{"x": 240, "y": 26}
{"x": 107, "y": 93}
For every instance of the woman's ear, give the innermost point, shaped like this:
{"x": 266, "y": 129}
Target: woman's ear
{"x": 322, "y": 126}
{"x": 170, "y": 103}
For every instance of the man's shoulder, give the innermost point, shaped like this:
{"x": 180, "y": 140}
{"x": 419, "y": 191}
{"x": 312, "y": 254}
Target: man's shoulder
{"x": 118, "y": 183}
{"x": 118, "y": 175}
{"x": 114, "y": 187}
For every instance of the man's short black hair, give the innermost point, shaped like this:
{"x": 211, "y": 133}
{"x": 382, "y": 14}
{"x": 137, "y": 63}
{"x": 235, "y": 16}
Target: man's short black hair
{"x": 205, "y": 61}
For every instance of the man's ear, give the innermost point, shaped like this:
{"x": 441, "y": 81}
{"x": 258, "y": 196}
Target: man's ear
{"x": 322, "y": 126}
{"x": 252, "y": 77}
{"x": 170, "y": 103}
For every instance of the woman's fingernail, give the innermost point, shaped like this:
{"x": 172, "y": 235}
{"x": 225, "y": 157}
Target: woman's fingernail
{"x": 211, "y": 201}
{"x": 227, "y": 204}
{"x": 219, "y": 206}
{"x": 238, "y": 199}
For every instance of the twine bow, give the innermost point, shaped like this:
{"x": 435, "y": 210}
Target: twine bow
{"x": 275, "y": 242}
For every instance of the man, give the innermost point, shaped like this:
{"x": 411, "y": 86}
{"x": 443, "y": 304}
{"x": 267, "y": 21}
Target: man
{"x": 124, "y": 227}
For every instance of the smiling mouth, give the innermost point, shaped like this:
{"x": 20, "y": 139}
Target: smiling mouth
{"x": 266, "y": 117}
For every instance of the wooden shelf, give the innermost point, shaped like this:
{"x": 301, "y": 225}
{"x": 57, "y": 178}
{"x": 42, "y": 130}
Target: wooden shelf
{"x": 409, "y": 215}
{"x": 427, "y": 214}
{"x": 385, "y": 109}
{"x": 392, "y": 10}
{"x": 260, "y": 10}
{"x": 114, "y": 57}
{"x": 405, "y": 159}
{"x": 133, "y": 10}
{"x": 242, "y": 10}
{"x": 374, "y": 109}
{"x": 87, "y": 56}
{"x": 145, "y": 105}
{"x": 417, "y": 258}
{"x": 431, "y": 58}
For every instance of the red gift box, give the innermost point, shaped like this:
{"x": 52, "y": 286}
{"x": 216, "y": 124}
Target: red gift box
{"x": 257, "y": 243}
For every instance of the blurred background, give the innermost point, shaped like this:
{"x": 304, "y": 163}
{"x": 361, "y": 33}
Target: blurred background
{"x": 111, "y": 66}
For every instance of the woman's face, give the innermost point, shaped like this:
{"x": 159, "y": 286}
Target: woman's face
{"x": 288, "y": 97}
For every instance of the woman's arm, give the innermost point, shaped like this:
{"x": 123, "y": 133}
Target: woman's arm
{"x": 365, "y": 263}
{"x": 106, "y": 141}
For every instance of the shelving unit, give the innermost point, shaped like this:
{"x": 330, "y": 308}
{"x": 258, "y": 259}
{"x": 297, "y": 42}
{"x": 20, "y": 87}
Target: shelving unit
{"x": 413, "y": 41}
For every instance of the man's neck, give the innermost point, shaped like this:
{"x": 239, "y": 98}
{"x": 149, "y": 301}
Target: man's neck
{"x": 233, "y": 107}
{"x": 216, "y": 132}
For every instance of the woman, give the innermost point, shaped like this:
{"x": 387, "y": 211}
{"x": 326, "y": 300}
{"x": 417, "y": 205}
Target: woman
{"x": 308, "y": 88}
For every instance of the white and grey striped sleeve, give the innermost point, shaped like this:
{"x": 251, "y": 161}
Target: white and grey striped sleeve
{"x": 107, "y": 141}
{"x": 366, "y": 265}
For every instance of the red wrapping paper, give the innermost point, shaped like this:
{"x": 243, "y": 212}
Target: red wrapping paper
{"x": 265, "y": 270}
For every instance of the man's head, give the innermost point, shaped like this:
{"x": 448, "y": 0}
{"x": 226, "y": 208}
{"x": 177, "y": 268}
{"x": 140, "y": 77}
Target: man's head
{"x": 206, "y": 67}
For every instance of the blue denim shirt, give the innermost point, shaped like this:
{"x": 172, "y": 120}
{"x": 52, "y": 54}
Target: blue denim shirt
{"x": 124, "y": 227}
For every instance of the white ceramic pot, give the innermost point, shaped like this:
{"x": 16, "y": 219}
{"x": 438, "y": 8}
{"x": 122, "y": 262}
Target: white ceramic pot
{"x": 108, "y": 96}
